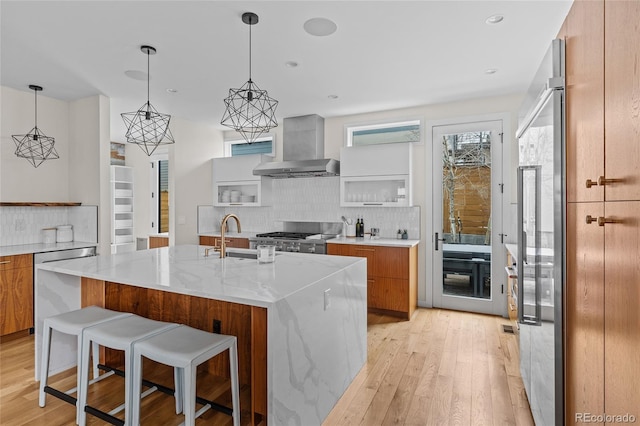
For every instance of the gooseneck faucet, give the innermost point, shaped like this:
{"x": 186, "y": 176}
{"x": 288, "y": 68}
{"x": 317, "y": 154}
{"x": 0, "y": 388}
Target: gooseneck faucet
{"x": 223, "y": 226}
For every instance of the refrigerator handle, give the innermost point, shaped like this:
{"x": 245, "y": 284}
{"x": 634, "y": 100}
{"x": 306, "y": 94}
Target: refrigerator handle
{"x": 521, "y": 247}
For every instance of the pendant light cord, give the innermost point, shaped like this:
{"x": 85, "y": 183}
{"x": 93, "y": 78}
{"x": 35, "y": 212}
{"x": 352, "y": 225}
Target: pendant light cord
{"x": 148, "y": 78}
{"x": 250, "y": 25}
{"x": 35, "y": 92}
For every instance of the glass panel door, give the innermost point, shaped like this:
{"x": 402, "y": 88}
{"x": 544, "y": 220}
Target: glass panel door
{"x": 467, "y": 209}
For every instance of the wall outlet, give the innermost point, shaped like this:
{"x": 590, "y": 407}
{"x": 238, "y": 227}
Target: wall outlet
{"x": 327, "y": 299}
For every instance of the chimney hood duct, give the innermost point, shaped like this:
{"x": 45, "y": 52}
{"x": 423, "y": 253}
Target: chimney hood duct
{"x": 303, "y": 151}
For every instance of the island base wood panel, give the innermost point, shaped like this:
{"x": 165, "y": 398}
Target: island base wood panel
{"x": 155, "y": 242}
{"x": 392, "y": 276}
{"x": 16, "y": 293}
{"x": 234, "y": 242}
{"x": 247, "y": 323}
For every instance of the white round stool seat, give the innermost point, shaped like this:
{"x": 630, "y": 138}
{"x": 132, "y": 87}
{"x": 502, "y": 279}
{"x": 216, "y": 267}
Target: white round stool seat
{"x": 73, "y": 323}
{"x": 184, "y": 348}
{"x": 118, "y": 334}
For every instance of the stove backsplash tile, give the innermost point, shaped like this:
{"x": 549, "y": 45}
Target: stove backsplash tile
{"x": 318, "y": 200}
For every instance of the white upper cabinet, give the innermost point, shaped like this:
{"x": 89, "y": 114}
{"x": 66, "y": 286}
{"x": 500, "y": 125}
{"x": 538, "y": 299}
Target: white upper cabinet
{"x": 234, "y": 183}
{"x": 376, "y": 175}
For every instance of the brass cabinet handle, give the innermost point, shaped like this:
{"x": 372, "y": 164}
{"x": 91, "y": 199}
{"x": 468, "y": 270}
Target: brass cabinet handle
{"x": 602, "y": 220}
{"x": 363, "y": 249}
{"x": 591, "y": 183}
{"x": 603, "y": 181}
{"x": 5, "y": 262}
{"x": 590, "y": 219}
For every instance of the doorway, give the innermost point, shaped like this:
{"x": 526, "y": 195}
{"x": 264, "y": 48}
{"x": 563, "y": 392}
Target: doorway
{"x": 467, "y": 215}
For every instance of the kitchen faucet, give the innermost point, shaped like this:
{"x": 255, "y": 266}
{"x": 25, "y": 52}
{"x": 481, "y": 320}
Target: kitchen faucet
{"x": 223, "y": 226}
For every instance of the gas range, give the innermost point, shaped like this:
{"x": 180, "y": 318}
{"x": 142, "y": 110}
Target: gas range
{"x": 296, "y": 239}
{"x": 298, "y": 242}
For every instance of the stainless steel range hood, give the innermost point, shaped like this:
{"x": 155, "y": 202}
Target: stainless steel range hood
{"x": 303, "y": 151}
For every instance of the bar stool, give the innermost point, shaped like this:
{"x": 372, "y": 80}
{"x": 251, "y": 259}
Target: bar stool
{"x": 184, "y": 348}
{"x": 73, "y": 323}
{"x": 118, "y": 334}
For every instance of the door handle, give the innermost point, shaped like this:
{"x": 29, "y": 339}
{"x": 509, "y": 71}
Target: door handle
{"x": 602, "y": 220}
{"x": 603, "y": 181}
{"x": 591, "y": 183}
{"x": 590, "y": 219}
{"x": 438, "y": 239}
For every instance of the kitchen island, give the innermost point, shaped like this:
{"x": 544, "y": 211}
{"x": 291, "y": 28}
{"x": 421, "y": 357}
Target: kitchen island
{"x": 301, "y": 321}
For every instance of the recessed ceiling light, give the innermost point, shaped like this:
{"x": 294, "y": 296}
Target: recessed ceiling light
{"x": 172, "y": 90}
{"x": 136, "y": 75}
{"x": 320, "y": 27}
{"x": 494, "y": 19}
{"x": 490, "y": 71}
{"x": 332, "y": 96}
{"x": 291, "y": 64}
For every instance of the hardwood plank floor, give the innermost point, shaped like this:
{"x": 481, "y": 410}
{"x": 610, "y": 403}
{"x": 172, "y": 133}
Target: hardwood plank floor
{"x": 442, "y": 367}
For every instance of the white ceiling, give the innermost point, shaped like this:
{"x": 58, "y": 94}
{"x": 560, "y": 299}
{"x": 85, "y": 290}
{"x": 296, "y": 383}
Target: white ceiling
{"x": 384, "y": 54}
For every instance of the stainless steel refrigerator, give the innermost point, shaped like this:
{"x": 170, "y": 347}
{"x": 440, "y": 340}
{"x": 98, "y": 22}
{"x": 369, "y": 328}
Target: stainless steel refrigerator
{"x": 541, "y": 238}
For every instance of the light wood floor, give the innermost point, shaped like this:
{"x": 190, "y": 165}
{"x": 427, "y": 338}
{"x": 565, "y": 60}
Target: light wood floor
{"x": 443, "y": 367}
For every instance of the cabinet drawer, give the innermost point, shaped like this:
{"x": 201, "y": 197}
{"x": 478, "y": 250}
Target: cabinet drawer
{"x": 388, "y": 294}
{"x": 18, "y": 261}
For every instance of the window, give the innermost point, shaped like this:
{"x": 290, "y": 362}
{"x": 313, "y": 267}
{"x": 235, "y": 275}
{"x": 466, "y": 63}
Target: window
{"x": 159, "y": 185}
{"x": 393, "y": 132}
{"x": 265, "y": 145}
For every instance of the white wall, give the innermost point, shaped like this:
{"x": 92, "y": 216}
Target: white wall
{"x": 88, "y": 156}
{"x": 334, "y": 140}
{"x": 190, "y": 180}
{"x": 19, "y": 180}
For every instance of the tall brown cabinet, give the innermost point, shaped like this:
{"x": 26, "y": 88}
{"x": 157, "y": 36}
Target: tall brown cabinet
{"x": 602, "y": 301}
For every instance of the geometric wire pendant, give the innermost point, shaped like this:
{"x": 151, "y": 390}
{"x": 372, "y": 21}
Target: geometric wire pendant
{"x": 35, "y": 146}
{"x": 147, "y": 127}
{"x": 249, "y": 110}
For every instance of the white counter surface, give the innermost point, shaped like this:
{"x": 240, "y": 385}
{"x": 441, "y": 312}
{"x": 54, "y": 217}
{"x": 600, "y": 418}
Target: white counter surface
{"x": 42, "y": 248}
{"x": 388, "y": 242}
{"x": 186, "y": 270}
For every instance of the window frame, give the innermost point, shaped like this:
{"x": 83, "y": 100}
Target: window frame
{"x": 350, "y": 128}
{"x": 228, "y": 143}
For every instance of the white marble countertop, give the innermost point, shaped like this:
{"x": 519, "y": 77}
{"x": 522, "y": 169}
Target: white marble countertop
{"x": 185, "y": 269}
{"x": 42, "y": 248}
{"x": 388, "y": 242}
{"x": 161, "y": 235}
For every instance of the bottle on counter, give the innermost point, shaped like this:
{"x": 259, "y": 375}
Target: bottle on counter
{"x": 399, "y": 235}
{"x": 362, "y": 227}
{"x": 405, "y": 235}
{"x": 358, "y": 226}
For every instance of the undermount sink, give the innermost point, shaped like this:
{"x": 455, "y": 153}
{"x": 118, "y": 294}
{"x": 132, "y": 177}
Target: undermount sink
{"x": 242, "y": 255}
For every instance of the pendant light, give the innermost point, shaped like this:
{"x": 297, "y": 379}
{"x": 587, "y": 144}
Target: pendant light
{"x": 249, "y": 110}
{"x": 35, "y": 146}
{"x": 147, "y": 127}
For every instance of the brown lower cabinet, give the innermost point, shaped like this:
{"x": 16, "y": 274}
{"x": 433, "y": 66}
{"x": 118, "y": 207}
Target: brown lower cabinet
{"x": 229, "y": 241}
{"x": 16, "y": 293}
{"x": 392, "y": 276}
